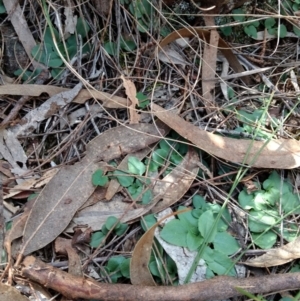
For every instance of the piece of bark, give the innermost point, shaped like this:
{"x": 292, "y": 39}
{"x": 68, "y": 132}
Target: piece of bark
{"x": 221, "y": 287}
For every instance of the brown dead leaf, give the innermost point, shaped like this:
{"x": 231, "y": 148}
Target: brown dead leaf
{"x": 64, "y": 246}
{"x": 9, "y": 293}
{"x": 50, "y": 107}
{"x": 68, "y": 190}
{"x": 278, "y": 256}
{"x": 280, "y": 153}
{"x": 173, "y": 186}
{"x": 31, "y": 183}
{"x": 131, "y": 93}
{"x": 108, "y": 100}
{"x": 189, "y": 32}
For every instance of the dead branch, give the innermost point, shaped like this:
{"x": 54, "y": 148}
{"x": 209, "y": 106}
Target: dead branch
{"x": 220, "y": 287}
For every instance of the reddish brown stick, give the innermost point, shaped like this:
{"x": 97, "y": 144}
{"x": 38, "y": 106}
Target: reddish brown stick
{"x": 221, "y": 287}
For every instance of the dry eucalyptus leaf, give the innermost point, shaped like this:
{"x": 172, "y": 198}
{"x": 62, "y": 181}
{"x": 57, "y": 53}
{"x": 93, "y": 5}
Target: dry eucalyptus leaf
{"x": 12, "y": 151}
{"x": 68, "y": 190}
{"x": 274, "y": 257}
{"x": 280, "y": 153}
{"x": 108, "y": 100}
{"x": 170, "y": 55}
{"x": 174, "y": 185}
{"x": 131, "y": 93}
{"x": 9, "y": 293}
{"x": 32, "y": 183}
{"x": 50, "y": 107}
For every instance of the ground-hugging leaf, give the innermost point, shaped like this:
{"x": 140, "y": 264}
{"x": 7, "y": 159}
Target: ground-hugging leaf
{"x": 72, "y": 185}
{"x": 279, "y": 153}
{"x": 278, "y": 256}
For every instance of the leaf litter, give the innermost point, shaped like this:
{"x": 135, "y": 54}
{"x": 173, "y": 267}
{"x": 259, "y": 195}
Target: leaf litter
{"x": 66, "y": 186}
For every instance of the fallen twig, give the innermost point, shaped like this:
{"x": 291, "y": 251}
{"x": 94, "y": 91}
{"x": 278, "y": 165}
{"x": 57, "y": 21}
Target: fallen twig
{"x": 220, "y": 287}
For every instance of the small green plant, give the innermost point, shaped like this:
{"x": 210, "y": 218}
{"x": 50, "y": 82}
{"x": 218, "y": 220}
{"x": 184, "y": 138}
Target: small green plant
{"x": 47, "y": 54}
{"x": 111, "y": 223}
{"x": 251, "y": 28}
{"x": 263, "y": 210}
{"x": 143, "y": 14}
{"x": 117, "y": 267}
{"x": 250, "y": 120}
{"x": 134, "y": 178}
{"x": 190, "y": 229}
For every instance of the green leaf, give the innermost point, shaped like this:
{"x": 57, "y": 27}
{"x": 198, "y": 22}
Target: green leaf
{"x": 236, "y": 12}
{"x": 176, "y": 158}
{"x": 98, "y": 179}
{"x": 135, "y": 189}
{"x": 147, "y": 197}
{"x": 123, "y": 178}
{"x": 290, "y": 232}
{"x": 125, "y": 268}
{"x": 2, "y": 8}
{"x": 290, "y": 203}
{"x": 121, "y": 229}
{"x": 127, "y": 45}
{"x": 143, "y": 100}
{"x": 218, "y": 262}
{"x": 270, "y": 22}
{"x": 282, "y": 31}
{"x": 187, "y": 218}
{"x": 110, "y": 222}
{"x": 227, "y": 30}
{"x": 261, "y": 200}
{"x": 154, "y": 268}
{"x": 265, "y": 240}
{"x": 259, "y": 221}
{"x": 175, "y": 232}
{"x": 206, "y": 225}
{"x": 255, "y": 23}
{"x": 56, "y": 73}
{"x": 135, "y": 166}
{"x": 193, "y": 241}
{"x": 296, "y": 30}
{"x": 159, "y": 156}
{"x": 111, "y": 48}
{"x": 82, "y": 27}
{"x": 148, "y": 221}
{"x": 246, "y": 200}
{"x": 54, "y": 61}
{"x": 251, "y": 31}
{"x": 96, "y": 239}
{"x": 114, "y": 263}
{"x": 225, "y": 243}
{"x": 199, "y": 202}
{"x": 48, "y": 36}
{"x": 141, "y": 26}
